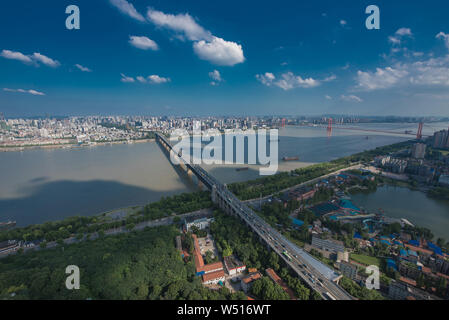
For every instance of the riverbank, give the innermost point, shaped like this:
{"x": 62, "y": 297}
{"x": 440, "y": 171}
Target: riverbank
{"x": 70, "y": 145}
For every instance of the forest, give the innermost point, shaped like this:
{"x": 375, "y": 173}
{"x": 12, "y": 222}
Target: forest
{"x": 137, "y": 265}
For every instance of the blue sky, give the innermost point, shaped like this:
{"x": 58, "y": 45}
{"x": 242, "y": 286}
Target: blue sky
{"x": 224, "y": 58}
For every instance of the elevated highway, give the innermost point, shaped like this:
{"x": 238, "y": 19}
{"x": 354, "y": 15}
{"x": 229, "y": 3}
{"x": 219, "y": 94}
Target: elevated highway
{"x": 316, "y": 274}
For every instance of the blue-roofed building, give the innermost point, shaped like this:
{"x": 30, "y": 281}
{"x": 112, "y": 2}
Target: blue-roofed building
{"x": 392, "y": 264}
{"x": 357, "y": 235}
{"x": 386, "y": 242}
{"x": 414, "y": 243}
{"x": 435, "y": 248}
{"x": 403, "y": 253}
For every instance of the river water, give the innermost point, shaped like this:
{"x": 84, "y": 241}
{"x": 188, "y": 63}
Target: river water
{"x": 415, "y": 206}
{"x": 43, "y": 185}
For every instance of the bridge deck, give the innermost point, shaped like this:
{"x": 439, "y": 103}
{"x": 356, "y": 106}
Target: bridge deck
{"x": 316, "y": 274}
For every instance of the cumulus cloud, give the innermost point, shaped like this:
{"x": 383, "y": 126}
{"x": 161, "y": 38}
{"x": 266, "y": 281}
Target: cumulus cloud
{"x": 343, "y": 22}
{"x": 157, "y": 79}
{"x": 444, "y": 37}
{"x": 35, "y": 58}
{"x": 351, "y": 98}
{"x": 31, "y": 91}
{"x": 45, "y": 60}
{"x": 14, "y": 55}
{"x": 180, "y": 23}
{"x": 430, "y": 72}
{"x": 219, "y": 51}
{"x": 288, "y": 80}
{"x": 215, "y": 75}
{"x": 153, "y": 79}
{"x": 382, "y": 78}
{"x": 82, "y": 68}
{"x": 127, "y": 8}
{"x": 143, "y": 43}
{"x": 205, "y": 45}
{"x": 126, "y": 79}
{"x": 398, "y": 36}
{"x": 328, "y": 97}
{"x": 404, "y": 32}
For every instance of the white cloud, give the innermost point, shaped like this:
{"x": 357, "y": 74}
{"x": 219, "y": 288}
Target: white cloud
{"x": 266, "y": 79}
{"x": 398, "y": 36}
{"x": 381, "y": 79}
{"x": 216, "y": 77}
{"x": 430, "y": 72}
{"x": 328, "y": 97}
{"x": 31, "y": 91}
{"x": 181, "y": 23}
{"x": 394, "y": 40}
{"x": 206, "y": 46}
{"x": 404, "y": 32}
{"x": 83, "y": 69}
{"x": 14, "y": 55}
{"x": 143, "y": 43}
{"x": 153, "y": 79}
{"x": 445, "y": 38}
{"x": 126, "y": 79}
{"x": 141, "y": 79}
{"x": 35, "y": 58}
{"x": 287, "y": 81}
{"x": 343, "y": 22}
{"x": 45, "y": 60}
{"x": 128, "y": 9}
{"x": 332, "y": 77}
{"x": 351, "y": 98}
{"x": 157, "y": 79}
{"x": 219, "y": 51}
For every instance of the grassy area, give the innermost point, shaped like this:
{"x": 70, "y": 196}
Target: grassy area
{"x": 366, "y": 260}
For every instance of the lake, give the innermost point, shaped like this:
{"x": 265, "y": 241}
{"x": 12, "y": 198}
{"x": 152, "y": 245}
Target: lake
{"x": 415, "y": 206}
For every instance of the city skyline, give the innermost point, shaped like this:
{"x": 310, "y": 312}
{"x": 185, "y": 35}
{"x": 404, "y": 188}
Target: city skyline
{"x": 195, "y": 59}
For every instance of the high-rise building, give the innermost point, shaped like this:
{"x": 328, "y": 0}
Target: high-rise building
{"x": 440, "y": 139}
{"x": 418, "y": 150}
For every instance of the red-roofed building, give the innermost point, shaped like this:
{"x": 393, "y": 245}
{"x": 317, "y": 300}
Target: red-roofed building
{"x": 270, "y": 272}
{"x": 247, "y": 281}
{"x": 211, "y": 267}
{"x": 214, "y": 277}
{"x": 408, "y": 281}
{"x": 199, "y": 262}
{"x": 279, "y": 281}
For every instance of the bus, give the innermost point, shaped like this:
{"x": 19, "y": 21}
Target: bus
{"x": 285, "y": 253}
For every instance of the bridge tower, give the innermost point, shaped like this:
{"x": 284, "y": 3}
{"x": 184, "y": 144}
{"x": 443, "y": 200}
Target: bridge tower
{"x": 329, "y": 127}
{"x": 419, "y": 133}
{"x": 283, "y": 123}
